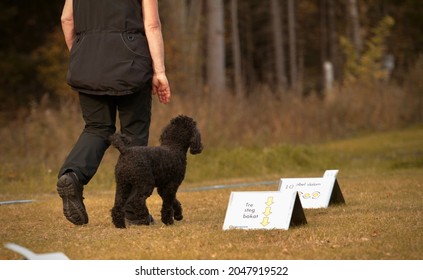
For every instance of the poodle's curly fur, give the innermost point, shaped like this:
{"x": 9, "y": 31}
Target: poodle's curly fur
{"x": 140, "y": 169}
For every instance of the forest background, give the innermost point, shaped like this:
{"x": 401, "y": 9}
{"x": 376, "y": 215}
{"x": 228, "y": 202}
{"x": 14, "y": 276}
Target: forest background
{"x": 253, "y": 73}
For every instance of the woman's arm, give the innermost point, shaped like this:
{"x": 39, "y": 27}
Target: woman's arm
{"x": 67, "y": 23}
{"x": 154, "y": 35}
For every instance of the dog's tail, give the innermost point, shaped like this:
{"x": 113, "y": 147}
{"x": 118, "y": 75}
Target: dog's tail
{"x": 120, "y": 142}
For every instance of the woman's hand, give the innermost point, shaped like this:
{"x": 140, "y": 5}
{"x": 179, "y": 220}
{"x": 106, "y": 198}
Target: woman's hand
{"x": 161, "y": 87}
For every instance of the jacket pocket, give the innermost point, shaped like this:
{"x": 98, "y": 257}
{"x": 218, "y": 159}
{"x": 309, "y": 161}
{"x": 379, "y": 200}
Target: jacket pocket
{"x": 110, "y": 63}
{"x": 136, "y": 43}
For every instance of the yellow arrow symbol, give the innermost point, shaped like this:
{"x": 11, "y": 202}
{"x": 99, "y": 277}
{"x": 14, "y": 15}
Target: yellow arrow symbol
{"x": 265, "y": 221}
{"x": 267, "y": 211}
{"x": 269, "y": 201}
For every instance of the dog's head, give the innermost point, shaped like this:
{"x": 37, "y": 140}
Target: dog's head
{"x": 182, "y": 131}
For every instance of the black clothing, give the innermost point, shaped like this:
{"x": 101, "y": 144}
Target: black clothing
{"x": 111, "y": 68}
{"x": 99, "y": 113}
{"x": 110, "y": 54}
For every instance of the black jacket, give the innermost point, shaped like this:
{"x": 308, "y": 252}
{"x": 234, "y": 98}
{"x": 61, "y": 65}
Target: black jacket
{"x": 110, "y": 54}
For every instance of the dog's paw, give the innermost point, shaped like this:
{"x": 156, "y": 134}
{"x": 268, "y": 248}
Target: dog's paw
{"x": 119, "y": 224}
{"x": 149, "y": 220}
{"x": 178, "y": 217}
{"x": 168, "y": 222}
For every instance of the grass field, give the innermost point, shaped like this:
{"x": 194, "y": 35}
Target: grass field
{"x": 381, "y": 177}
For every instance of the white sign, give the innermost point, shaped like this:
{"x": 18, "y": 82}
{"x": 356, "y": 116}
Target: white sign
{"x": 315, "y": 192}
{"x": 263, "y": 210}
{"x": 29, "y": 255}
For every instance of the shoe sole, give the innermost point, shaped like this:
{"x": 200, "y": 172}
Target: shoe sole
{"x": 73, "y": 209}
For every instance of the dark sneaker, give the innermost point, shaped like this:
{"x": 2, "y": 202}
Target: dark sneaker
{"x": 70, "y": 190}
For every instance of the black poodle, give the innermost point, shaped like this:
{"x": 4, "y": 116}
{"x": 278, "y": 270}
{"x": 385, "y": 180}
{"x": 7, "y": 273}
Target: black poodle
{"x": 140, "y": 169}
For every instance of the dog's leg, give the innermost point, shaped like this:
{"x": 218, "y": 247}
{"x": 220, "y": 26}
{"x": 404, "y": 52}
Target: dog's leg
{"x": 177, "y": 210}
{"x": 139, "y": 211}
{"x": 168, "y": 198}
{"x": 118, "y": 214}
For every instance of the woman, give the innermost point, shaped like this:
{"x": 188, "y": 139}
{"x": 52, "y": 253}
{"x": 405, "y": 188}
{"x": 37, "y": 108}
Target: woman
{"x": 116, "y": 61}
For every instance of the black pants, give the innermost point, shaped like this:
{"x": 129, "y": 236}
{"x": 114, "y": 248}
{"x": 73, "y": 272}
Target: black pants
{"x": 99, "y": 113}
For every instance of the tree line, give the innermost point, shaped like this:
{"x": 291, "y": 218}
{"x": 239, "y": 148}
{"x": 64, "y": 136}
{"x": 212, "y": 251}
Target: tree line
{"x": 220, "y": 47}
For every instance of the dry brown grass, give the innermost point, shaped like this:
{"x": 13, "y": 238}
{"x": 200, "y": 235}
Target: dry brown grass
{"x": 380, "y": 221}
{"x": 380, "y": 176}
{"x": 47, "y": 131}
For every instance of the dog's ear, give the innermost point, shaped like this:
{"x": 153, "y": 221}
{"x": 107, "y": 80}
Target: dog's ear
{"x": 196, "y": 146}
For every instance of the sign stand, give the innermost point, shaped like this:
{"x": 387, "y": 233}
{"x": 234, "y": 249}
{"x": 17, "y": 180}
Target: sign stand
{"x": 336, "y": 197}
{"x": 29, "y": 255}
{"x": 264, "y": 210}
{"x": 315, "y": 192}
{"x": 298, "y": 217}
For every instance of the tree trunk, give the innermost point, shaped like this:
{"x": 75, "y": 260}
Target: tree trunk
{"x": 249, "y": 67}
{"x": 355, "y": 25}
{"x": 332, "y": 38}
{"x": 328, "y": 44}
{"x": 193, "y": 48}
{"x": 278, "y": 45}
{"x": 292, "y": 44}
{"x": 323, "y": 31}
{"x": 236, "y": 50}
{"x": 216, "y": 48}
